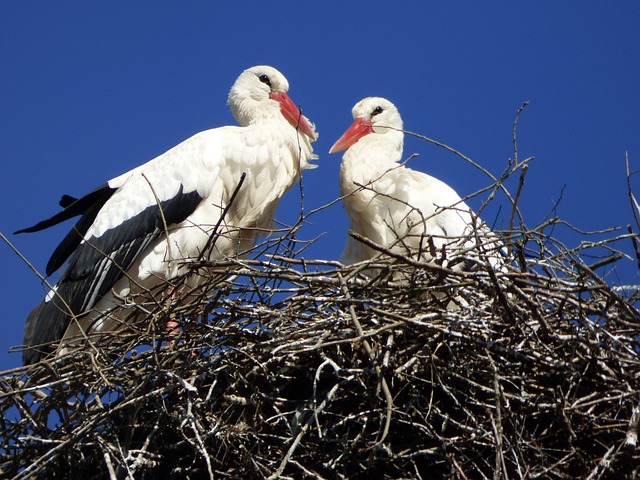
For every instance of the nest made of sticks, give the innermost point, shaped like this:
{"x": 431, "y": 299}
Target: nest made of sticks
{"x": 310, "y": 369}
{"x": 292, "y": 368}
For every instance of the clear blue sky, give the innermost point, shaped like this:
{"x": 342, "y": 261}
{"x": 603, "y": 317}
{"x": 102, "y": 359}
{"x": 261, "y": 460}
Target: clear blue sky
{"x": 91, "y": 89}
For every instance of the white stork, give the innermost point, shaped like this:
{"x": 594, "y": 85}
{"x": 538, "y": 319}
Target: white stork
{"x": 400, "y": 209}
{"x": 140, "y": 228}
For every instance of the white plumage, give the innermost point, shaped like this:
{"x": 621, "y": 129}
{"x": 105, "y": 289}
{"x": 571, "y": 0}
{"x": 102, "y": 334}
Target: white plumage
{"x": 123, "y": 246}
{"x": 398, "y": 208}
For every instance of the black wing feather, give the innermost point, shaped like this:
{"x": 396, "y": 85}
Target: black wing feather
{"x": 73, "y": 207}
{"x": 66, "y": 200}
{"x": 87, "y": 206}
{"x": 96, "y": 266}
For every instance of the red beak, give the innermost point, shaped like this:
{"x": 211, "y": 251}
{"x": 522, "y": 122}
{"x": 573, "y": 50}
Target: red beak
{"x": 293, "y": 114}
{"x": 358, "y": 129}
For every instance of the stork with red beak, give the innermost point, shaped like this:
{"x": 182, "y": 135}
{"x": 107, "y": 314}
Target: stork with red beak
{"x": 397, "y": 208}
{"x": 145, "y": 226}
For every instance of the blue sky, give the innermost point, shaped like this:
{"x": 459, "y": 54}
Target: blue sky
{"x": 93, "y": 89}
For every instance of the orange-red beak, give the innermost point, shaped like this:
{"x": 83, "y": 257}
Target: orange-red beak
{"x": 293, "y": 114}
{"x": 358, "y": 129}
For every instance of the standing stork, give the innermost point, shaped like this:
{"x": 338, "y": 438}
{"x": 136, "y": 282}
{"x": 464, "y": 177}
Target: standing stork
{"x": 395, "y": 207}
{"x": 143, "y": 227}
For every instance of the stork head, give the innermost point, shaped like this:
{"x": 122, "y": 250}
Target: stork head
{"x": 260, "y": 93}
{"x": 371, "y": 115}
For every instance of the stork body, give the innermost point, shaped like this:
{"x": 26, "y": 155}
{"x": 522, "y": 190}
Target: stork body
{"x": 397, "y": 208}
{"x": 143, "y": 227}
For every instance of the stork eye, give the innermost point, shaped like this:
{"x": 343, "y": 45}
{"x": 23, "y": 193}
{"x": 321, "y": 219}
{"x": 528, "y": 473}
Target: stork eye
{"x": 265, "y": 79}
{"x": 376, "y": 111}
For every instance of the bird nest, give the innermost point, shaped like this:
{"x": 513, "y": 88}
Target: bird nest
{"x": 299, "y": 369}
{"x": 289, "y": 368}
